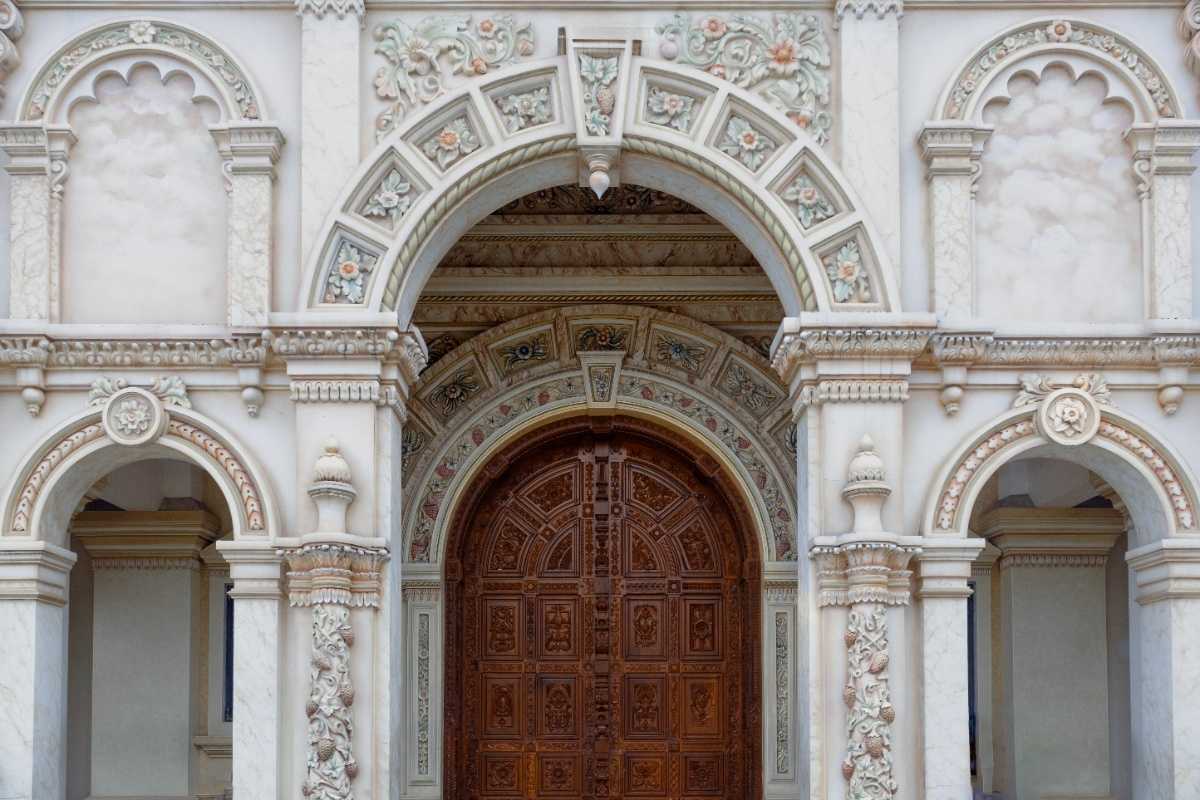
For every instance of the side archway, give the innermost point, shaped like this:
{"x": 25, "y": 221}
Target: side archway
{"x": 1071, "y": 424}
{"x": 43, "y": 494}
{"x": 519, "y": 131}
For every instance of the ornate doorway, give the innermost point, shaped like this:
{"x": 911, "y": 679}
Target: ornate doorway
{"x": 602, "y": 625}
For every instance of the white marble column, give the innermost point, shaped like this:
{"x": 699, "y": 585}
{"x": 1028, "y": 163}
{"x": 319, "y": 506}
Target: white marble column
{"x": 331, "y": 32}
{"x": 249, "y": 151}
{"x": 37, "y": 171}
{"x": 1162, "y": 159}
{"x": 952, "y": 151}
{"x": 944, "y": 568}
{"x": 257, "y": 667}
{"x": 1165, "y": 670}
{"x": 869, "y": 114}
{"x": 33, "y": 669}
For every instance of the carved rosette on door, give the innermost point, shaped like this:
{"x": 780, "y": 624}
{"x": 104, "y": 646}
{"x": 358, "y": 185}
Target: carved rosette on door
{"x": 599, "y": 632}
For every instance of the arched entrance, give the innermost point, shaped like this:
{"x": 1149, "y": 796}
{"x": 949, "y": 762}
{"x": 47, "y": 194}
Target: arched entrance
{"x": 602, "y": 605}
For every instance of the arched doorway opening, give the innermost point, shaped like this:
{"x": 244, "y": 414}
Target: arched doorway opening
{"x": 603, "y": 601}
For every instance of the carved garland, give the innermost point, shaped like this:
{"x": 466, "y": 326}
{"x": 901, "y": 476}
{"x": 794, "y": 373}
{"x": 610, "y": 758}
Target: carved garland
{"x": 950, "y": 499}
{"x": 867, "y": 767}
{"x": 331, "y": 764}
{"x": 139, "y": 34}
{"x": 782, "y": 695}
{"x": 250, "y": 498}
{"x": 1060, "y": 32}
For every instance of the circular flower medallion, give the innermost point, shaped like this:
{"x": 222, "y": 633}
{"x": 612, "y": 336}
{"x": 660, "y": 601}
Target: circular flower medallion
{"x": 1068, "y": 416}
{"x": 133, "y": 416}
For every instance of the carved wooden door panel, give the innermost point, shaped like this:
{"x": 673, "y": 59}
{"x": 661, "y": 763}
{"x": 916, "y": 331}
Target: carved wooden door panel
{"x": 601, "y": 650}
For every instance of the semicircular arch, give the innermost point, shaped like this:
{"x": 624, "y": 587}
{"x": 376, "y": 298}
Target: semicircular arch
{"x": 1151, "y": 478}
{"x": 43, "y": 493}
{"x": 462, "y": 157}
{"x": 693, "y": 380}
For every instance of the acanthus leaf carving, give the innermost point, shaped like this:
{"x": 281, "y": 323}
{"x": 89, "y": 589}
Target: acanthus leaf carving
{"x": 1036, "y": 388}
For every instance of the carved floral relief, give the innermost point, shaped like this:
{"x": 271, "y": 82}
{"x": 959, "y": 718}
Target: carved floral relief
{"x": 785, "y": 60}
{"x": 848, "y": 277}
{"x": 391, "y": 198}
{"x": 452, "y": 143}
{"x": 745, "y": 143}
{"x": 670, "y": 109}
{"x": 812, "y": 206}
{"x": 521, "y": 110}
{"x": 423, "y": 58}
{"x": 349, "y": 274}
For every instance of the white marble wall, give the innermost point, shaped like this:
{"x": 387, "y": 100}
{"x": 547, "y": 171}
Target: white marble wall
{"x": 144, "y": 681}
{"x": 1058, "y": 219}
{"x": 1056, "y": 675}
{"x": 144, "y": 210}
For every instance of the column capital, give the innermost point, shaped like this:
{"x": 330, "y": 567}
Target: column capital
{"x": 944, "y": 566}
{"x": 1166, "y": 570}
{"x": 336, "y": 8}
{"x": 249, "y": 148}
{"x": 32, "y": 147}
{"x": 256, "y": 569}
{"x": 34, "y": 570}
{"x": 953, "y": 147}
{"x": 1165, "y": 147}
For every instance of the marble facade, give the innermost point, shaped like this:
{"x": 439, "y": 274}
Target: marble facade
{"x": 284, "y": 279}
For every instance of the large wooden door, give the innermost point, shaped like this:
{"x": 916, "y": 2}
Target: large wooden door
{"x": 604, "y": 642}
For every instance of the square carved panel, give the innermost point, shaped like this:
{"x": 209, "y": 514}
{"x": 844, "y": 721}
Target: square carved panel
{"x": 645, "y": 774}
{"x": 702, "y": 625}
{"x": 501, "y": 628}
{"x": 702, "y": 773}
{"x": 644, "y": 628}
{"x": 500, "y": 774}
{"x": 502, "y": 704}
{"x": 701, "y": 705}
{"x": 559, "y": 775}
{"x": 558, "y": 709}
{"x": 558, "y": 622}
{"x": 646, "y": 703}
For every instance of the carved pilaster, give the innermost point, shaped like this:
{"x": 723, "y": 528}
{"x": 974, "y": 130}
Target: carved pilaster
{"x": 1162, "y": 164}
{"x": 330, "y": 575}
{"x": 866, "y": 571}
{"x": 952, "y": 152}
{"x": 38, "y": 171}
{"x": 250, "y": 151}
